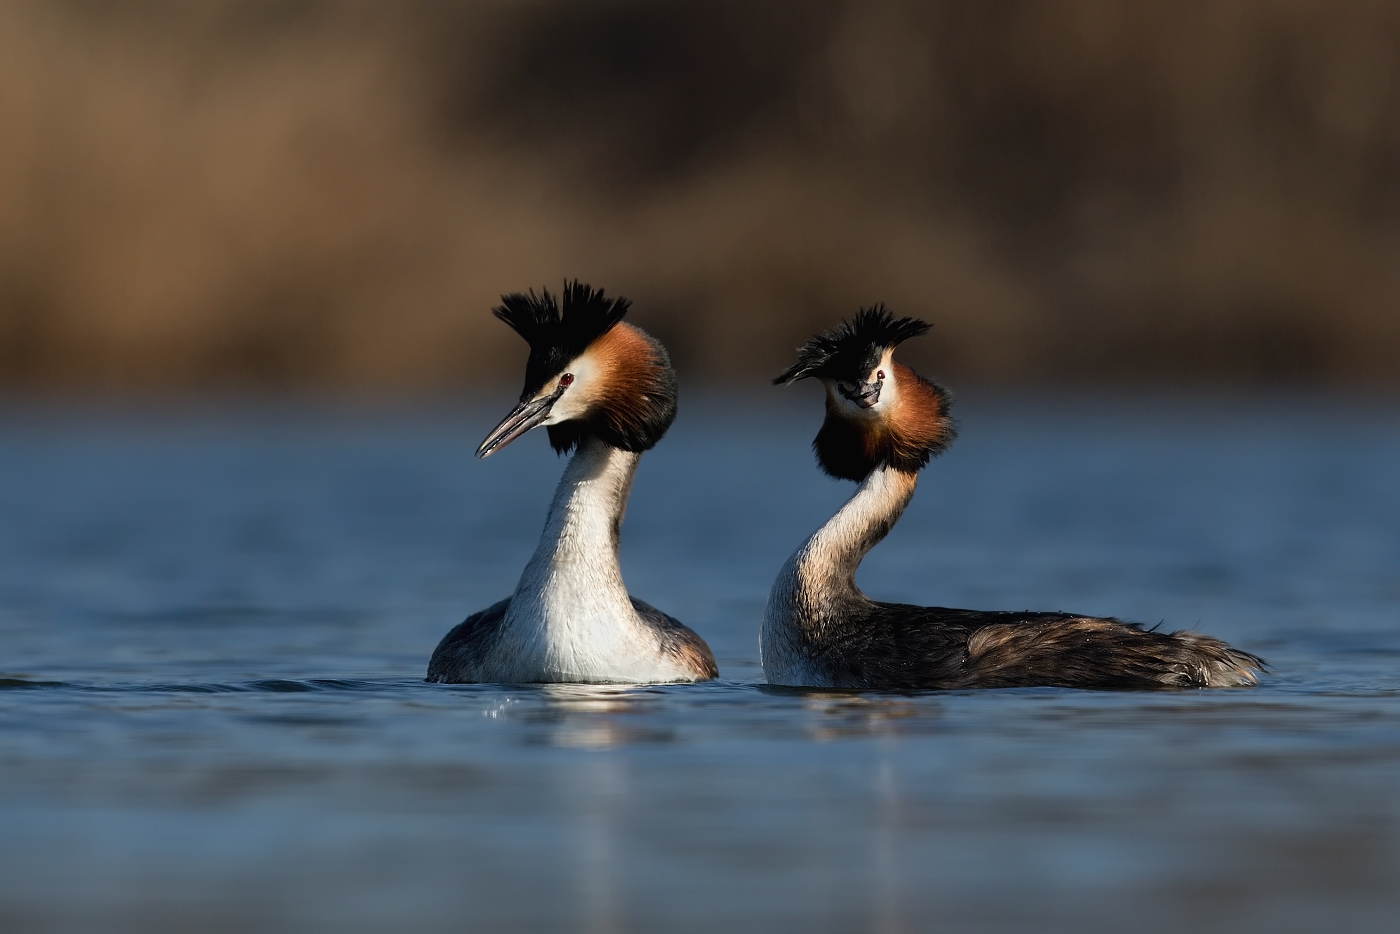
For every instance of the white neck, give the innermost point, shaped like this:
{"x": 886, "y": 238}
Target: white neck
{"x": 821, "y": 575}
{"x": 586, "y": 514}
{"x": 571, "y": 618}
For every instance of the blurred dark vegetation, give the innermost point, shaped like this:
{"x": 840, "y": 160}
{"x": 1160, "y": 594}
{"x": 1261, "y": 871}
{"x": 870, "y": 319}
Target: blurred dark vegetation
{"x": 333, "y": 194}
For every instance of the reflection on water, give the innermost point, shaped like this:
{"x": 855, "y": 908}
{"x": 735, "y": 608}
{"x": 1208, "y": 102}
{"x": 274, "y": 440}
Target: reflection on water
{"x": 600, "y": 716}
{"x": 594, "y": 716}
{"x": 215, "y": 630}
{"x": 841, "y": 716}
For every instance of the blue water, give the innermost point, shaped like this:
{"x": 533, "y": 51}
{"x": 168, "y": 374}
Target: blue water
{"x": 215, "y": 621}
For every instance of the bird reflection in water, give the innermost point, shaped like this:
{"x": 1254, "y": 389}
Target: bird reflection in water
{"x": 845, "y": 715}
{"x": 598, "y": 716}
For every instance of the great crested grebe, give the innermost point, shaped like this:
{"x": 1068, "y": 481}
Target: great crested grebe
{"x": 606, "y": 391}
{"x": 883, "y": 423}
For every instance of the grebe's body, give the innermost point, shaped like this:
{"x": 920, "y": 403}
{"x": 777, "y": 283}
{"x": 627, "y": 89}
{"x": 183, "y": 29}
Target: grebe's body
{"x": 607, "y": 391}
{"x": 883, "y": 423}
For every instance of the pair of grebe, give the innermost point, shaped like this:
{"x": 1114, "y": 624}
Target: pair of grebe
{"x": 606, "y": 391}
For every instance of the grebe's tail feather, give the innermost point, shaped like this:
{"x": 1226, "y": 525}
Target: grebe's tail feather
{"x": 902, "y": 647}
{"x": 1102, "y": 653}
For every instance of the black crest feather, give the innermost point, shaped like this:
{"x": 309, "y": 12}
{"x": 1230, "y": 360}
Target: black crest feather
{"x": 851, "y": 350}
{"x": 557, "y": 335}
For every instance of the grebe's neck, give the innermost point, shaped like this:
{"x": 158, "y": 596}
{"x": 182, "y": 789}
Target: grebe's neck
{"x": 828, "y": 560}
{"x": 819, "y": 580}
{"x": 586, "y": 514}
{"x": 571, "y": 618}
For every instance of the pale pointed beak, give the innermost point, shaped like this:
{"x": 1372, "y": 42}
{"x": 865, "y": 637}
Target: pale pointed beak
{"x": 522, "y": 418}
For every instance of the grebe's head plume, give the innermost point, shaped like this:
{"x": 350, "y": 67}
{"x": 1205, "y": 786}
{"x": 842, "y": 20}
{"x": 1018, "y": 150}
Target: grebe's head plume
{"x": 589, "y": 373}
{"x": 851, "y": 351}
{"x": 877, "y": 411}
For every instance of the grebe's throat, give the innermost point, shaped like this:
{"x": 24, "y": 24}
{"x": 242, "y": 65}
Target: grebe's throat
{"x": 822, "y": 571}
{"x": 586, "y": 514}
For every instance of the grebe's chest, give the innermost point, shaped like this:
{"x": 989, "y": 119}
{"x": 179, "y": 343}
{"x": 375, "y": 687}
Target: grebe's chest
{"x": 571, "y": 624}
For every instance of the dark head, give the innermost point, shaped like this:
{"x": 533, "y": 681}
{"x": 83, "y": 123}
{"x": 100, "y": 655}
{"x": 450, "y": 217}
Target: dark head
{"x": 588, "y": 373}
{"x": 877, "y": 411}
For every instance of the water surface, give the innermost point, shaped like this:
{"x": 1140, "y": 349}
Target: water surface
{"x": 215, "y": 623}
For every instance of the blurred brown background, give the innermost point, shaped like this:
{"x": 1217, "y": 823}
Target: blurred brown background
{"x": 333, "y": 194}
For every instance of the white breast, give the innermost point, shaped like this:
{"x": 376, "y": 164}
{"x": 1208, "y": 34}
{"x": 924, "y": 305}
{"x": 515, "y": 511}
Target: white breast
{"x": 571, "y": 618}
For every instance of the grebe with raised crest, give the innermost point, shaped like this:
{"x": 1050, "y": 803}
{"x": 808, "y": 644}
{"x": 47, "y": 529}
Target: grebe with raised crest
{"x": 604, "y": 390}
{"x": 883, "y": 423}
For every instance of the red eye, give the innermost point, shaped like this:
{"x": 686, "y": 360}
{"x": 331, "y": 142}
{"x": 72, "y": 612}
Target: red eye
{"x": 566, "y": 380}
{"x": 879, "y": 374}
